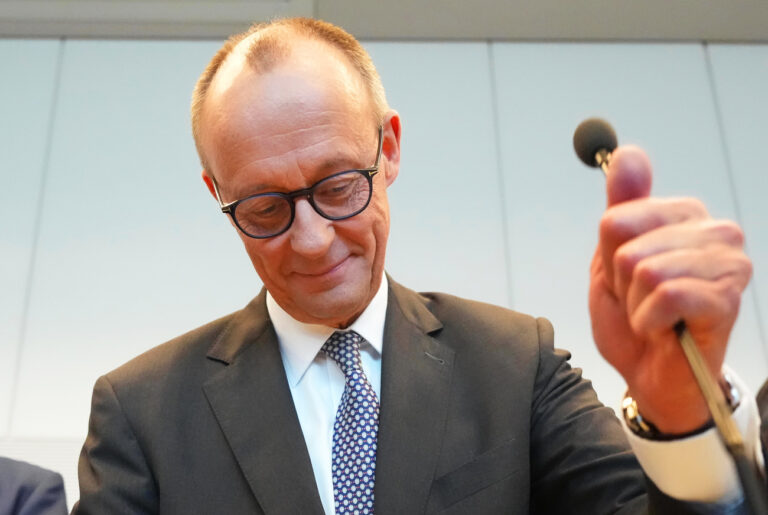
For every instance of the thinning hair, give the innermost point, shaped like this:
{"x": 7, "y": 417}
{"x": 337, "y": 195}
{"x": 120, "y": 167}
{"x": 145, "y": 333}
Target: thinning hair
{"x": 272, "y": 46}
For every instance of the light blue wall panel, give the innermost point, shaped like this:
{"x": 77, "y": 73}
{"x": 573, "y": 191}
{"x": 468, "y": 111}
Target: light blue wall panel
{"x": 740, "y": 74}
{"x": 133, "y": 249}
{"x": 26, "y": 95}
{"x": 447, "y": 229}
{"x": 657, "y": 96}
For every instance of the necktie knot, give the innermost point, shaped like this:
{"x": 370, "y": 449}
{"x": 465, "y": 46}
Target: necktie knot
{"x": 344, "y": 349}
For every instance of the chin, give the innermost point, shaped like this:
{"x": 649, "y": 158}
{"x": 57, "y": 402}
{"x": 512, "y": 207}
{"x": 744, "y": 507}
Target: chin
{"x": 331, "y": 311}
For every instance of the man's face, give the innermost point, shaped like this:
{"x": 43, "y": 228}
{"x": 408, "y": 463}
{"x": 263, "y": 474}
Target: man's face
{"x": 284, "y": 130}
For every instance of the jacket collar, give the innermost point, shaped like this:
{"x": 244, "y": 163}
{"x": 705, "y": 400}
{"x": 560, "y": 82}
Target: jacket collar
{"x": 252, "y": 403}
{"x": 251, "y": 399}
{"x": 415, "y": 391}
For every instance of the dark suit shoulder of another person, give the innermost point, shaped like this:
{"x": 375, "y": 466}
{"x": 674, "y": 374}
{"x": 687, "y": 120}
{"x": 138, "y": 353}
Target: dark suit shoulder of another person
{"x": 762, "y": 405}
{"x": 27, "y": 489}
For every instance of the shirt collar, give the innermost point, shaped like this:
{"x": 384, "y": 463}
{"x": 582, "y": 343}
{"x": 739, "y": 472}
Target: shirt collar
{"x": 300, "y": 342}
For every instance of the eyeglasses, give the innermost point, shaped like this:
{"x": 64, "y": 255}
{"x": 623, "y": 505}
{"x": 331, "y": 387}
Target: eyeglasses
{"x": 336, "y": 197}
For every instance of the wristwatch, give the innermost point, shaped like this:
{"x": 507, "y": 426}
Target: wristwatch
{"x": 644, "y": 428}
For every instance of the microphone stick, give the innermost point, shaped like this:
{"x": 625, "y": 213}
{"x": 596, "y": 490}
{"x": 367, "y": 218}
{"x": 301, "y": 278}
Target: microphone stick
{"x": 594, "y": 140}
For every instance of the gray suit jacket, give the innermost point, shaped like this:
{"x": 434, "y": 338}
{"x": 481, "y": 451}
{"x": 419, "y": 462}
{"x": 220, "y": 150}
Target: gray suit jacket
{"x": 479, "y": 414}
{"x": 27, "y": 489}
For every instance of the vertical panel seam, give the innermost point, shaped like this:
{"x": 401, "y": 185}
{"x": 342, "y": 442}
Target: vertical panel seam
{"x": 505, "y": 227}
{"x": 732, "y": 180}
{"x": 45, "y": 168}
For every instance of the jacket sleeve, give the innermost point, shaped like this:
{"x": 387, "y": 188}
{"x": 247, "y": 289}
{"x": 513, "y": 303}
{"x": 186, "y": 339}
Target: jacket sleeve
{"x": 581, "y": 461}
{"x": 30, "y": 490}
{"x": 113, "y": 472}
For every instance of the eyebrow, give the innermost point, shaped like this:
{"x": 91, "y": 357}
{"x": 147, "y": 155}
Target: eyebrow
{"x": 327, "y": 168}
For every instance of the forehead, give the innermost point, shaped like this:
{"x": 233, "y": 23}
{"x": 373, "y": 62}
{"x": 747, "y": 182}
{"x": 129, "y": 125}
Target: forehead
{"x": 311, "y": 103}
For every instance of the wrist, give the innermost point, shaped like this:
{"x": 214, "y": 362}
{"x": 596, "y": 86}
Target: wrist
{"x": 689, "y": 418}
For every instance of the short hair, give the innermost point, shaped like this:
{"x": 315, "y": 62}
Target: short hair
{"x": 274, "y": 46}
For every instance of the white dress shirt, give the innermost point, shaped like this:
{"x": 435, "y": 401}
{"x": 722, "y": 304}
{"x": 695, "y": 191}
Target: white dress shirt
{"x": 692, "y": 469}
{"x": 699, "y": 468}
{"x": 317, "y": 382}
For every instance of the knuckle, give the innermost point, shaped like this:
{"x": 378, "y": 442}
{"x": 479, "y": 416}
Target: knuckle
{"x": 731, "y": 294}
{"x": 697, "y": 207}
{"x": 747, "y": 267}
{"x": 614, "y": 227}
{"x": 668, "y": 293}
{"x": 607, "y": 226}
{"x": 744, "y": 268}
{"x": 646, "y": 274}
{"x": 729, "y": 232}
{"x": 624, "y": 261}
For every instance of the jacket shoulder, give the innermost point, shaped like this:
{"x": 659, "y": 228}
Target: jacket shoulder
{"x": 23, "y": 473}
{"x": 184, "y": 356}
{"x": 27, "y": 488}
{"x": 480, "y": 321}
{"x": 486, "y": 336}
{"x": 448, "y": 307}
{"x": 188, "y": 346}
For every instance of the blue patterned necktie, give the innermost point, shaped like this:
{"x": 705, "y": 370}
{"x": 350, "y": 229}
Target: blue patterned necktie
{"x": 354, "y": 432}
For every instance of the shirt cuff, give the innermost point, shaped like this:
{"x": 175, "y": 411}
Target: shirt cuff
{"x": 698, "y": 468}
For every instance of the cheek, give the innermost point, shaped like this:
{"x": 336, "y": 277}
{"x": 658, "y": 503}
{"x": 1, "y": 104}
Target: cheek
{"x": 378, "y": 228}
{"x": 381, "y": 207}
{"x": 266, "y": 259}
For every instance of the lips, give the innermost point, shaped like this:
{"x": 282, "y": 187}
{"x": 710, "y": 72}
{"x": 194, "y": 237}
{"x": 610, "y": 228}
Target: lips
{"x": 320, "y": 272}
{"x": 318, "y": 280}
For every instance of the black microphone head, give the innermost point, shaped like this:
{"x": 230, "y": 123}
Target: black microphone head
{"x": 590, "y": 137}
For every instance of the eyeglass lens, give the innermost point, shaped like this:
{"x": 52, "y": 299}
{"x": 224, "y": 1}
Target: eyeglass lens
{"x": 336, "y": 197}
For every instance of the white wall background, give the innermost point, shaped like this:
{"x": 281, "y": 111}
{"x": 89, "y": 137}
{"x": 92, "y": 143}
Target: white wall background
{"x": 110, "y": 244}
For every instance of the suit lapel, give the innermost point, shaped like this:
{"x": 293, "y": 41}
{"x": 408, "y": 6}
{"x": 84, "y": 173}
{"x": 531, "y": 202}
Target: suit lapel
{"x": 252, "y": 402}
{"x": 415, "y": 387}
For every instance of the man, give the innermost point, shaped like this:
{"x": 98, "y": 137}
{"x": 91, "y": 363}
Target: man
{"x": 27, "y": 489}
{"x": 419, "y": 403}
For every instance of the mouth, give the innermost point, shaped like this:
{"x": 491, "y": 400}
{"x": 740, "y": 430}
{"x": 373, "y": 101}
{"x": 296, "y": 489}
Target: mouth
{"x": 322, "y": 272}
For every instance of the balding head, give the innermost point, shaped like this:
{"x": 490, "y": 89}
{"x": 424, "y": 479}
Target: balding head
{"x": 266, "y": 45}
{"x": 288, "y": 122}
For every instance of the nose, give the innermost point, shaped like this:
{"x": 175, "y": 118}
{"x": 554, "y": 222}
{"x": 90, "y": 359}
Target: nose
{"x": 311, "y": 234}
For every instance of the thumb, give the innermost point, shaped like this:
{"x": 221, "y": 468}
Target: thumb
{"x": 629, "y": 175}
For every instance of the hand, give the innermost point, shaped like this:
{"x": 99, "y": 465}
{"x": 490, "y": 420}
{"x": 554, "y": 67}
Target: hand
{"x": 659, "y": 261}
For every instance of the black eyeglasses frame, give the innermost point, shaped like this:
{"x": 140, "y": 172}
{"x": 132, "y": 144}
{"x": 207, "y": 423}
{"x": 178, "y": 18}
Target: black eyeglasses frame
{"x": 290, "y": 196}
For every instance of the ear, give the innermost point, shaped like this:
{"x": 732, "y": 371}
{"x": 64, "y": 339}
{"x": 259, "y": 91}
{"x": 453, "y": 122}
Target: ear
{"x": 208, "y": 180}
{"x": 390, "y": 146}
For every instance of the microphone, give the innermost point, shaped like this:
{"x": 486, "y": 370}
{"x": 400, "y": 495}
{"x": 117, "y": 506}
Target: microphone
{"x": 594, "y": 140}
